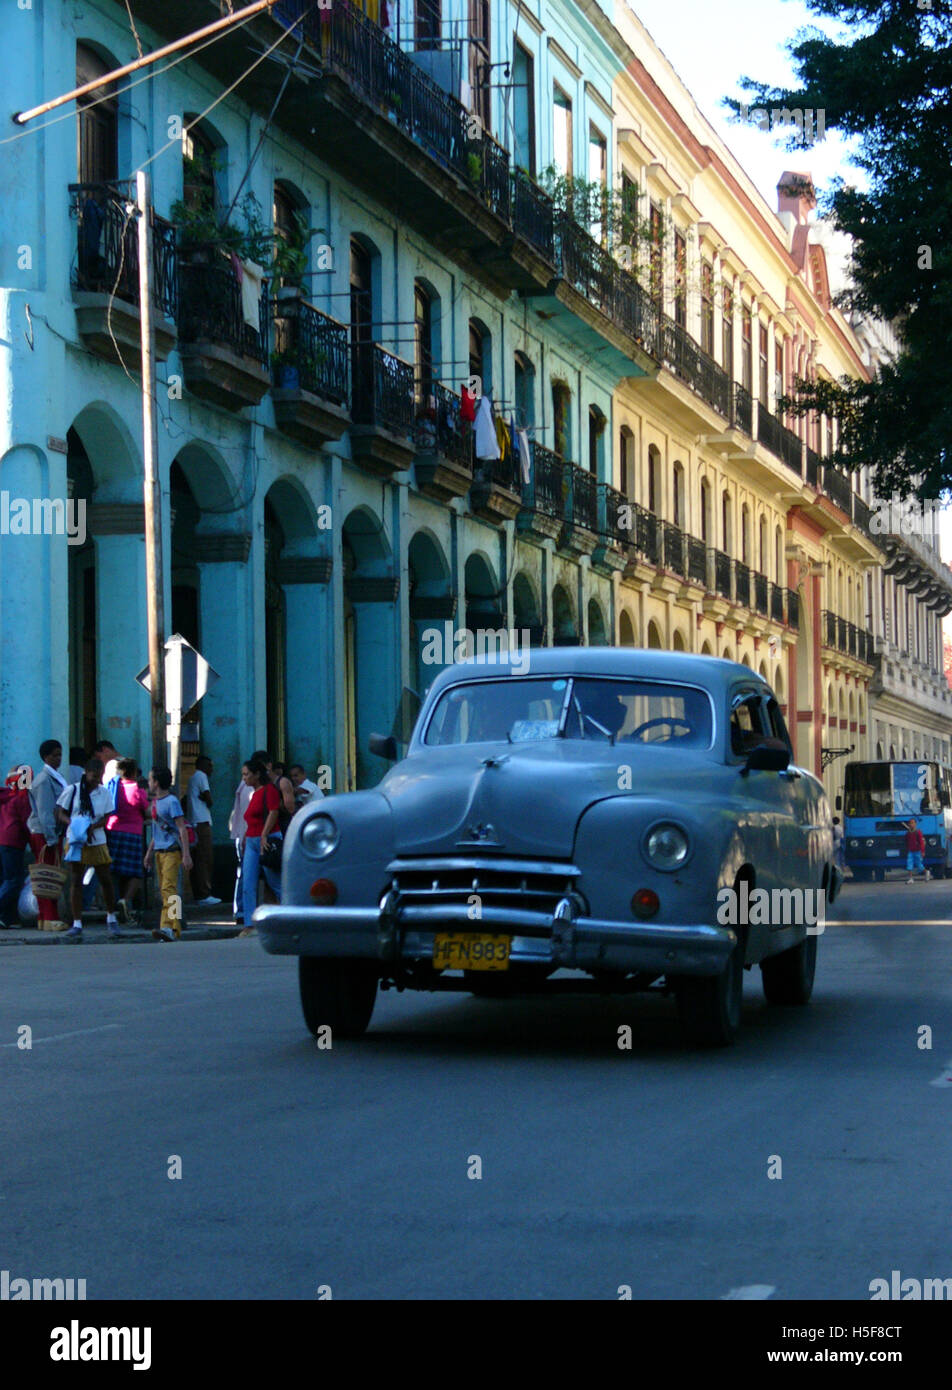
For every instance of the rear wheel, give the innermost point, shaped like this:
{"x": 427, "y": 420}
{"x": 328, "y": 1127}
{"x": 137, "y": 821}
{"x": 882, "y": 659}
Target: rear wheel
{"x": 788, "y": 978}
{"x": 709, "y": 1006}
{"x": 338, "y": 994}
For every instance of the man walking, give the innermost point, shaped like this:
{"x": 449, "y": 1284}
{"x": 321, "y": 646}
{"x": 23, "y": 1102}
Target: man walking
{"x": 48, "y": 784}
{"x": 304, "y": 789}
{"x": 199, "y": 802}
{"x": 169, "y": 849}
{"x": 84, "y": 807}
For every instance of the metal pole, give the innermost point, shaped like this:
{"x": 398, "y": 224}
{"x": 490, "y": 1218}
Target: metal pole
{"x": 21, "y": 117}
{"x": 152, "y": 497}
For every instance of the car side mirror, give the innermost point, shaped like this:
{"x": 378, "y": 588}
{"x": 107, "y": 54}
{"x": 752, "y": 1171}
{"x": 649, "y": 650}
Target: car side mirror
{"x": 384, "y": 745}
{"x": 767, "y": 759}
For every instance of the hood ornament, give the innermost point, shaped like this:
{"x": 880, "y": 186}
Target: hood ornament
{"x": 479, "y": 834}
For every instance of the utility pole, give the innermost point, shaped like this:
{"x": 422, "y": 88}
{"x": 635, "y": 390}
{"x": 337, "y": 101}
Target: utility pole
{"x": 152, "y": 496}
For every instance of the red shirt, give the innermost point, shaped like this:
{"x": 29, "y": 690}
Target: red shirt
{"x": 265, "y": 799}
{"x": 14, "y": 814}
{"x": 915, "y": 844}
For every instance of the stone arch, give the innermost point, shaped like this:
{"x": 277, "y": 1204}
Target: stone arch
{"x": 113, "y": 453}
{"x": 432, "y": 606}
{"x": 706, "y": 648}
{"x": 679, "y": 641}
{"x": 729, "y": 655}
{"x": 564, "y": 623}
{"x": 484, "y": 603}
{"x": 371, "y": 633}
{"x": 655, "y": 639}
{"x": 526, "y": 611}
{"x": 626, "y": 629}
{"x": 597, "y": 629}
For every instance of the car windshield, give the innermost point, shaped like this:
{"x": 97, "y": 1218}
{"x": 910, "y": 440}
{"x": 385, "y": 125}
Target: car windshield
{"x": 604, "y": 710}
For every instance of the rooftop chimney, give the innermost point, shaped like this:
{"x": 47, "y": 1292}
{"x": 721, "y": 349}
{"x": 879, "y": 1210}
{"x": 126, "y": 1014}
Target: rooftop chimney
{"x": 796, "y": 194}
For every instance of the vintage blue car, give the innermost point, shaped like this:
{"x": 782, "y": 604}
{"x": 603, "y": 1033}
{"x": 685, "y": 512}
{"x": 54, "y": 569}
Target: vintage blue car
{"x": 629, "y": 818}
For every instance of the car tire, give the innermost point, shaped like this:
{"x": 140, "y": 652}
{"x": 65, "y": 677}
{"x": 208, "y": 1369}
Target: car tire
{"x": 788, "y": 977}
{"x": 709, "y": 1006}
{"x": 338, "y": 994}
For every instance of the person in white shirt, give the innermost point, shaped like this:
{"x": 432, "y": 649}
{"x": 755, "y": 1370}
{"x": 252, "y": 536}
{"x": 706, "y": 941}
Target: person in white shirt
{"x": 83, "y": 808}
{"x": 237, "y": 829}
{"x": 106, "y": 755}
{"x": 43, "y": 828}
{"x": 304, "y": 789}
{"x": 198, "y": 803}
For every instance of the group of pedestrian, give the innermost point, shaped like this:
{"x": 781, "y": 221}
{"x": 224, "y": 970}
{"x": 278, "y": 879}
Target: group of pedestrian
{"x": 91, "y": 819}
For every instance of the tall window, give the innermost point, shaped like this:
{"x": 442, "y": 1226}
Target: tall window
{"x": 480, "y": 73}
{"x": 361, "y": 321}
{"x": 597, "y": 172}
{"x": 657, "y": 253}
{"x": 284, "y": 214}
{"x": 562, "y": 138}
{"x": 707, "y": 308}
{"x": 778, "y": 556}
{"x": 97, "y": 126}
{"x": 562, "y": 418}
{"x": 680, "y": 280}
{"x": 727, "y": 331}
{"x": 763, "y": 364}
{"x": 654, "y": 479}
{"x": 726, "y": 528}
{"x": 523, "y": 109}
{"x": 625, "y": 462}
{"x": 705, "y": 511}
{"x": 746, "y": 350}
{"x": 778, "y": 371}
{"x": 480, "y": 354}
{"x": 745, "y": 534}
{"x": 428, "y": 17}
{"x": 422, "y": 342}
{"x": 199, "y": 192}
{"x": 677, "y": 495}
{"x": 762, "y": 546}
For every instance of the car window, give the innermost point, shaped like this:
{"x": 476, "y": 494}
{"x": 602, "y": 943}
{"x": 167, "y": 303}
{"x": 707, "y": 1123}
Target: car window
{"x": 522, "y": 711}
{"x": 777, "y": 724}
{"x": 748, "y": 723}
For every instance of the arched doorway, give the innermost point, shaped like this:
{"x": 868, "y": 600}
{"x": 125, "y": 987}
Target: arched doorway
{"x": 525, "y": 610}
{"x": 679, "y": 642}
{"x": 484, "y": 603}
{"x": 654, "y": 636}
{"x": 432, "y": 611}
{"x": 626, "y": 629}
{"x": 371, "y": 645}
{"x": 565, "y": 627}
{"x": 597, "y": 630}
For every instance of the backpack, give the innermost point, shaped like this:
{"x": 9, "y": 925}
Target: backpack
{"x": 191, "y": 834}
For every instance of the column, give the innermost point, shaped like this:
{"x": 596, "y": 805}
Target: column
{"x": 310, "y": 673}
{"x": 122, "y": 626}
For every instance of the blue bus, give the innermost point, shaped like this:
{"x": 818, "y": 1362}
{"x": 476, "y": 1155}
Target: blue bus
{"x": 878, "y": 800}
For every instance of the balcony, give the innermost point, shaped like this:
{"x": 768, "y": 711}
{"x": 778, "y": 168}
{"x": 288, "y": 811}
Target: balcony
{"x": 812, "y": 474}
{"x": 838, "y": 488}
{"x": 580, "y": 533}
{"x": 742, "y": 410}
{"x": 791, "y": 450}
{"x": 761, "y": 595}
{"x": 542, "y": 514}
{"x": 793, "y": 609}
{"x": 533, "y": 216}
{"x": 845, "y": 637}
{"x": 862, "y": 514}
{"x": 742, "y": 574}
{"x": 445, "y": 442}
{"x": 692, "y": 365}
{"x": 614, "y": 530}
{"x": 381, "y": 439}
{"x": 223, "y": 354}
{"x": 496, "y": 492}
{"x": 674, "y": 548}
{"x": 720, "y": 564}
{"x": 105, "y": 274}
{"x": 311, "y": 374}
{"x": 776, "y": 603}
{"x": 697, "y": 561}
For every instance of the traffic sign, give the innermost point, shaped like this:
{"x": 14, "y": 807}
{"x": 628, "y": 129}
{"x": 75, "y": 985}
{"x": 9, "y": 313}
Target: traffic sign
{"x": 188, "y": 675}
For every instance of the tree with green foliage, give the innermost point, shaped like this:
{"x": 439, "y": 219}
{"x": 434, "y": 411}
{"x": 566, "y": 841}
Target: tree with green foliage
{"x": 886, "y": 78}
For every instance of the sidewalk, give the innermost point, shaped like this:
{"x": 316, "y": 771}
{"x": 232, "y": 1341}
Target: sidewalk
{"x": 201, "y": 924}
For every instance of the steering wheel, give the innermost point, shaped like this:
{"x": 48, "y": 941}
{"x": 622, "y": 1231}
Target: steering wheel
{"x": 661, "y": 719}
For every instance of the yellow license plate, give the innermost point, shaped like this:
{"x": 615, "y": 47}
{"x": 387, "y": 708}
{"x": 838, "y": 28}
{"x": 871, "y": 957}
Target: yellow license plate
{"x": 468, "y": 951}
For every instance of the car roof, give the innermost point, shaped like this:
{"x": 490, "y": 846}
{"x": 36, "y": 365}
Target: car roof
{"x": 715, "y": 673}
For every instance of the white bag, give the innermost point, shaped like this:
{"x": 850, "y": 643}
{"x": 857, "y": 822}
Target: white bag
{"x": 27, "y": 905}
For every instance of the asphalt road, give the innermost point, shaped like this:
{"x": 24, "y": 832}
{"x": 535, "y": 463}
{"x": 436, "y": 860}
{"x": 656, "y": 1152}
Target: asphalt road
{"x": 601, "y": 1168}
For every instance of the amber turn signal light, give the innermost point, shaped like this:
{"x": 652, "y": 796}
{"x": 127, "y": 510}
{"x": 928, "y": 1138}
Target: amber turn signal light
{"x": 324, "y": 892}
{"x": 645, "y": 902}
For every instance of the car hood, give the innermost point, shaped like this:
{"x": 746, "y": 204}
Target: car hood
{"x": 520, "y": 800}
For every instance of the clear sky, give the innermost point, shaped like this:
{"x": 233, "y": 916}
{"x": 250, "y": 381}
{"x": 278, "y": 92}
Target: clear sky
{"x": 711, "y": 45}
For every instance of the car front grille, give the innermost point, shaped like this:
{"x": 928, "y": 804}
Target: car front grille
{"x": 530, "y": 886}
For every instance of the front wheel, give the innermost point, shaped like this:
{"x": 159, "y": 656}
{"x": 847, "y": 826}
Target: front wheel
{"x": 336, "y": 994}
{"x": 788, "y": 978}
{"x": 709, "y": 1006}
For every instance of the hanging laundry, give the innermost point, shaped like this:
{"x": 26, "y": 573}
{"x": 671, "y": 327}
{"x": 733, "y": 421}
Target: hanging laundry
{"x": 467, "y": 405}
{"x": 525, "y": 458}
{"x": 503, "y": 439}
{"x": 487, "y": 446}
{"x": 252, "y": 276}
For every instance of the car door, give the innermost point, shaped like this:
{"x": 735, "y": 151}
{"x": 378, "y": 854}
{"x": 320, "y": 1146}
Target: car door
{"x": 765, "y": 796}
{"x": 800, "y": 825}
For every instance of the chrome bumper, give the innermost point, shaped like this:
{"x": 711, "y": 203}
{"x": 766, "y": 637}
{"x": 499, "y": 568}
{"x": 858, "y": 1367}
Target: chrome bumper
{"x": 392, "y": 933}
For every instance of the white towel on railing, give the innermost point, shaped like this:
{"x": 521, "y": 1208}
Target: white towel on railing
{"x": 487, "y": 446}
{"x": 252, "y": 276}
{"x": 522, "y": 443}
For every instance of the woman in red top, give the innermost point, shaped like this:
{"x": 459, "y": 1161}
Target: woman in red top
{"x": 14, "y": 838}
{"x": 124, "y": 835}
{"x": 261, "y": 817}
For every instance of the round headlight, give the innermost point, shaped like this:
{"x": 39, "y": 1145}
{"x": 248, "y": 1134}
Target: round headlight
{"x": 666, "y": 847}
{"x": 320, "y": 836}
{"x": 854, "y": 844}
{"x": 870, "y": 844}
{"x": 932, "y": 840}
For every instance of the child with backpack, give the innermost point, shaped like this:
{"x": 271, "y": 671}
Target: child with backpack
{"x": 170, "y": 851}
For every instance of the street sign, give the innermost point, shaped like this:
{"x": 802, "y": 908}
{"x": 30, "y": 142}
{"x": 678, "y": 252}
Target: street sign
{"x": 188, "y": 675}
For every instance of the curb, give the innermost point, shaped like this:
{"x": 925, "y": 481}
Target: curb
{"x": 95, "y": 935}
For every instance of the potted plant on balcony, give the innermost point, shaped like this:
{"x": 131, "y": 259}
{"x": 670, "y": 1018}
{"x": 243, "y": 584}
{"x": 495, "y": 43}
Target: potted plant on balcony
{"x": 286, "y": 370}
{"x": 425, "y": 426}
{"x": 289, "y": 263}
{"x": 474, "y": 168}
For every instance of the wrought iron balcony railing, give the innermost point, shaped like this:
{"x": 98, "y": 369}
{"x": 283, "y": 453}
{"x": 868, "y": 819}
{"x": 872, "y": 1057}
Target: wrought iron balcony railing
{"x": 742, "y": 575}
{"x": 581, "y": 497}
{"x": 769, "y": 431}
{"x": 455, "y": 439}
{"x": 533, "y": 214}
{"x": 742, "y": 409}
{"x": 382, "y": 389}
{"x": 316, "y": 347}
{"x": 793, "y": 609}
{"x": 675, "y": 549}
{"x": 107, "y": 246}
{"x": 614, "y": 516}
{"x": 812, "y": 473}
{"x": 693, "y": 365}
{"x": 543, "y": 491}
{"x": 761, "y": 594}
{"x": 862, "y": 513}
{"x": 697, "y": 560}
{"x": 210, "y": 307}
{"x": 647, "y": 534}
{"x": 837, "y": 486}
{"x": 776, "y": 602}
{"x": 791, "y": 450}
{"x": 721, "y": 573}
